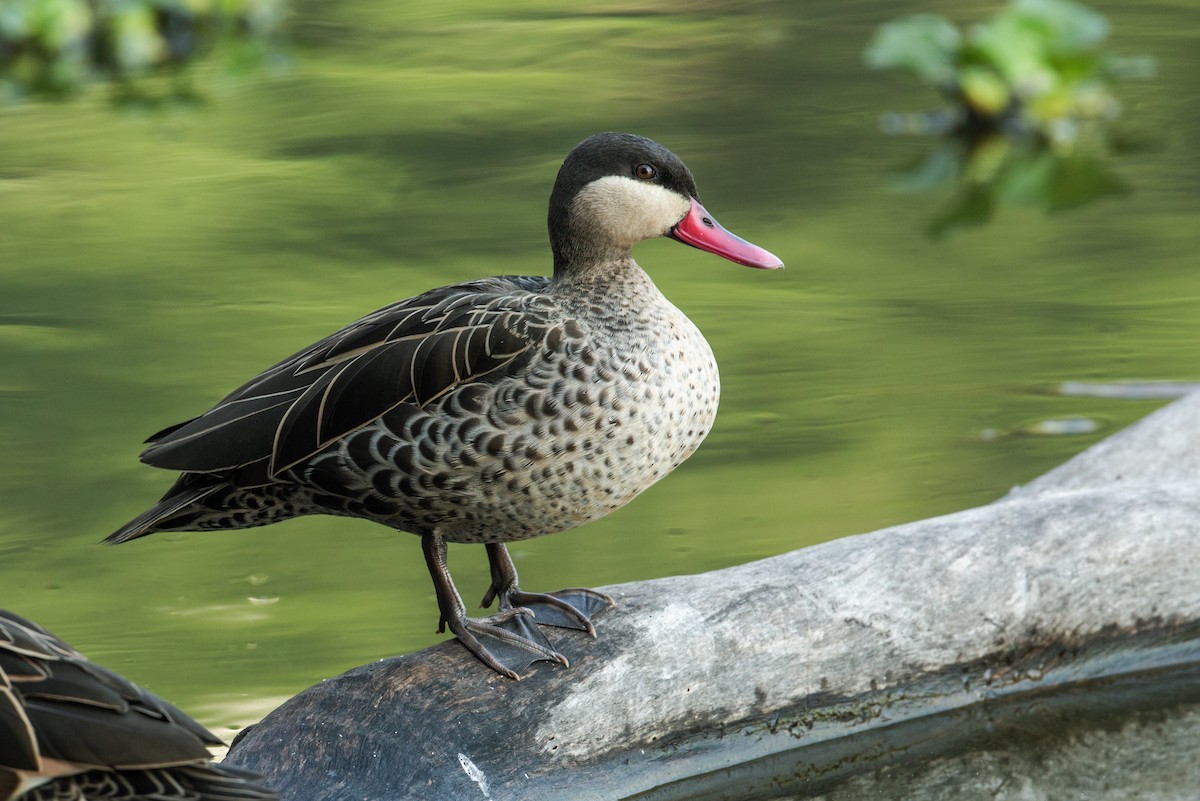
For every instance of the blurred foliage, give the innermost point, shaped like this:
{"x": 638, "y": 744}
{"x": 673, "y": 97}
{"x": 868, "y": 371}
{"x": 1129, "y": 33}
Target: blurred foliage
{"x": 1036, "y": 67}
{"x": 54, "y": 47}
{"x": 991, "y": 171}
{"x": 1032, "y": 95}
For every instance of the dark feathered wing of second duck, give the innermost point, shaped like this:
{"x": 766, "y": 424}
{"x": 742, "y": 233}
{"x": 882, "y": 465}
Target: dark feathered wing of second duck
{"x": 490, "y": 411}
{"x": 71, "y": 730}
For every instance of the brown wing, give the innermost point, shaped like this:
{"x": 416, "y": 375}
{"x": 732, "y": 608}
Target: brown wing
{"x": 413, "y": 351}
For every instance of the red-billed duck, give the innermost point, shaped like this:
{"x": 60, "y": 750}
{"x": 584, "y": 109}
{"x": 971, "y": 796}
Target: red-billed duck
{"x": 485, "y": 412}
{"x": 71, "y": 730}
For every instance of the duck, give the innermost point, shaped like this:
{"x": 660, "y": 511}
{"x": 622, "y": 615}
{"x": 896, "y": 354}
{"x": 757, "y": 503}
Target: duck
{"x": 71, "y": 729}
{"x": 488, "y": 412}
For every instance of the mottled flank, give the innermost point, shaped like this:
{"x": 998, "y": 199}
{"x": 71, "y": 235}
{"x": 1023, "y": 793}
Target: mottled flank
{"x": 490, "y": 411}
{"x": 71, "y": 730}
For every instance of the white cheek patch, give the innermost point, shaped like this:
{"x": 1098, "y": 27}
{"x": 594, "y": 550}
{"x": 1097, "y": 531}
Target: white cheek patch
{"x": 625, "y": 211}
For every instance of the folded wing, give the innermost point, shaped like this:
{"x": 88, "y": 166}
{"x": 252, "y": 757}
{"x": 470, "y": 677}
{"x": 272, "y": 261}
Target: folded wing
{"x": 414, "y": 351}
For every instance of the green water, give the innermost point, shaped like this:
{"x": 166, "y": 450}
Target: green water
{"x": 152, "y": 260}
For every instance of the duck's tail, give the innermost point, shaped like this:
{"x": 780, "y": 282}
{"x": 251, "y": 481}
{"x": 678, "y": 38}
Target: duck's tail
{"x": 184, "y": 500}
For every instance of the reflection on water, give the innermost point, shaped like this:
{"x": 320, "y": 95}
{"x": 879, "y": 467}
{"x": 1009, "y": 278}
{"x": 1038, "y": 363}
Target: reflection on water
{"x": 152, "y": 262}
{"x": 988, "y": 172}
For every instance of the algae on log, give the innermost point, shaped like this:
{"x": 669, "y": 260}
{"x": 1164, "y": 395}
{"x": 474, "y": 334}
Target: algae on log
{"x": 1088, "y": 573}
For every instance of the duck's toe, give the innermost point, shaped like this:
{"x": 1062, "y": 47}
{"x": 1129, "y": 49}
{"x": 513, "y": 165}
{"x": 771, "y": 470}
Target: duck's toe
{"x": 571, "y": 608}
{"x": 508, "y": 642}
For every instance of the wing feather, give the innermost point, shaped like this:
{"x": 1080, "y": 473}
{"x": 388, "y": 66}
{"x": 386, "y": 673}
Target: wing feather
{"x": 413, "y": 351}
{"x": 227, "y": 431}
{"x": 342, "y": 400}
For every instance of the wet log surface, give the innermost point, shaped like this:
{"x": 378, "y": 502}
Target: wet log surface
{"x": 790, "y": 664}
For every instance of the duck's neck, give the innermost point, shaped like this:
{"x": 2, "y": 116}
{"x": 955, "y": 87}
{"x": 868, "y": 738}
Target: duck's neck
{"x": 580, "y": 252}
{"x": 606, "y": 271}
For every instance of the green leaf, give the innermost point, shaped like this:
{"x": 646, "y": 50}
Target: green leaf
{"x": 1029, "y": 177}
{"x": 926, "y": 44}
{"x": 61, "y": 24}
{"x": 1067, "y": 27}
{"x": 938, "y": 167}
{"x": 984, "y": 91}
{"x": 1017, "y": 52}
{"x": 137, "y": 44}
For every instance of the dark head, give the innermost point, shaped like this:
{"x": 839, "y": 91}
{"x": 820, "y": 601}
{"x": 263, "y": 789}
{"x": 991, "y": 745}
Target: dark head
{"x": 616, "y": 189}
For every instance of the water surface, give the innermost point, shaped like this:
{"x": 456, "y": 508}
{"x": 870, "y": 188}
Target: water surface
{"x": 152, "y": 260}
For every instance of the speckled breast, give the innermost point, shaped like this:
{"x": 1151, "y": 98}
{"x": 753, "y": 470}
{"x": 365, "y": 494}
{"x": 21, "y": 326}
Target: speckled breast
{"x": 610, "y": 400}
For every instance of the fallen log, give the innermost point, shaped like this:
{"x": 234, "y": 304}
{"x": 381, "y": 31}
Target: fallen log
{"x": 777, "y": 675}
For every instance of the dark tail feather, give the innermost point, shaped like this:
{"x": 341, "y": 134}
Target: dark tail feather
{"x": 174, "y": 502}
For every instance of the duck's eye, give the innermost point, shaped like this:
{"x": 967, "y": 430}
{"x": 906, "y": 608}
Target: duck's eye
{"x": 645, "y": 172}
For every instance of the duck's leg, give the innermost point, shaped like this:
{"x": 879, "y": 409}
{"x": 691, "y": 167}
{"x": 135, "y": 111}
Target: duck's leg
{"x": 569, "y": 609}
{"x": 508, "y": 642}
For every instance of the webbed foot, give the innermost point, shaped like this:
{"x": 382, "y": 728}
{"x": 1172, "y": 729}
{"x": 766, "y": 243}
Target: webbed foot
{"x": 508, "y": 642}
{"x": 569, "y": 609}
